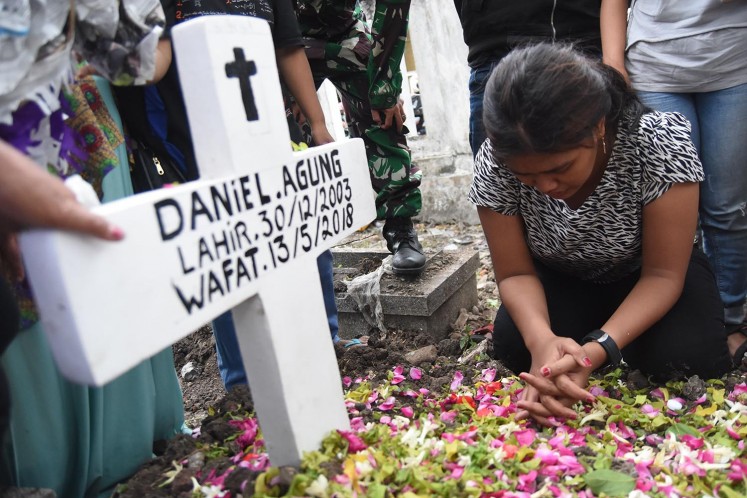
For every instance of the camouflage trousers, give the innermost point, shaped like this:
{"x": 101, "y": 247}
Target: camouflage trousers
{"x": 395, "y": 179}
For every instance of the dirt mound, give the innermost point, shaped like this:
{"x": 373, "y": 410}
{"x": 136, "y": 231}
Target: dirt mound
{"x": 208, "y": 450}
{"x": 203, "y": 387}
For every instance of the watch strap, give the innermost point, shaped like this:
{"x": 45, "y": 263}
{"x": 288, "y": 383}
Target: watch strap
{"x": 614, "y": 356}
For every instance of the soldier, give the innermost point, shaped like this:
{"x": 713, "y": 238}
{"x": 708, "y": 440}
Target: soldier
{"x": 364, "y": 67}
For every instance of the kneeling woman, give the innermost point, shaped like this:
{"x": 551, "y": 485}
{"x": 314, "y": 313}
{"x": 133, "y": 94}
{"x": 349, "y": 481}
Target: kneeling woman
{"x": 589, "y": 204}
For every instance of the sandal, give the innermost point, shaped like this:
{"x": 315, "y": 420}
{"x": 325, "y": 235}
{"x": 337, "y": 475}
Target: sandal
{"x": 740, "y": 355}
{"x": 350, "y": 343}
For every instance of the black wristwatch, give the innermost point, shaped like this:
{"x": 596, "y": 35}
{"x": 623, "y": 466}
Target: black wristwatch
{"x": 614, "y": 356}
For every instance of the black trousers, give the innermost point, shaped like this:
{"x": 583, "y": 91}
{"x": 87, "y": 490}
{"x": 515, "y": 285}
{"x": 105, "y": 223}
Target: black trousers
{"x": 690, "y": 339}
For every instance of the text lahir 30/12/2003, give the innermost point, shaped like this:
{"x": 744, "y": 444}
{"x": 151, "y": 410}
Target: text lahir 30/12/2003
{"x": 254, "y": 232}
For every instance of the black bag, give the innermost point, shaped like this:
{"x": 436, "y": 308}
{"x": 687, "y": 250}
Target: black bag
{"x": 150, "y": 171}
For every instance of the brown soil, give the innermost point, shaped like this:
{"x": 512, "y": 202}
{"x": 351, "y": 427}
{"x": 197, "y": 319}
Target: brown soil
{"x": 207, "y": 388}
{"x": 374, "y": 361}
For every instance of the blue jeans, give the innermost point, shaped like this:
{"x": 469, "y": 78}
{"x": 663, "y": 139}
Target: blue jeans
{"x": 478, "y": 78}
{"x": 230, "y": 364}
{"x": 719, "y": 132}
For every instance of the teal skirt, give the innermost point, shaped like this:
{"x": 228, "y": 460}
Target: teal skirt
{"x": 77, "y": 440}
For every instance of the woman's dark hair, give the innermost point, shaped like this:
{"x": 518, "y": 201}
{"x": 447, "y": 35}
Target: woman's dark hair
{"x": 549, "y": 97}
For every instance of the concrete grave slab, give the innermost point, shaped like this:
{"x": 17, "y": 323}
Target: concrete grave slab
{"x": 429, "y": 303}
{"x": 245, "y": 237}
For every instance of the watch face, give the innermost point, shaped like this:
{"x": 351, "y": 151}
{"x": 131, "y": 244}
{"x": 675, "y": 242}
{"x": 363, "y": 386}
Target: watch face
{"x": 596, "y": 335}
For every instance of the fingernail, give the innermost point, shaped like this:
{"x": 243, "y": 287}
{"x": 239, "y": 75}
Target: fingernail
{"x": 545, "y": 371}
{"x": 116, "y": 233}
{"x": 587, "y": 361}
{"x": 590, "y": 399}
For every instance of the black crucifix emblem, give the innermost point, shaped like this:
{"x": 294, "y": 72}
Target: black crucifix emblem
{"x": 244, "y": 70}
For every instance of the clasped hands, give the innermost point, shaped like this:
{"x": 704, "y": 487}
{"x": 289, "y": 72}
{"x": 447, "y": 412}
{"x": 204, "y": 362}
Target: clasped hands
{"x": 557, "y": 379}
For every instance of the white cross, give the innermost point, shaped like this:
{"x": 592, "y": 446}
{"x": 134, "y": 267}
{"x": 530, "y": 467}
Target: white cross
{"x": 244, "y": 237}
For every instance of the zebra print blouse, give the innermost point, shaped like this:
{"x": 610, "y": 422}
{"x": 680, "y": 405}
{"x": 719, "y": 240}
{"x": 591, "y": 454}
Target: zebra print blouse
{"x": 601, "y": 240}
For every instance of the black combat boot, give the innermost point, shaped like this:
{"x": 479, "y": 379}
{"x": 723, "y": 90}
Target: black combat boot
{"x": 402, "y": 241}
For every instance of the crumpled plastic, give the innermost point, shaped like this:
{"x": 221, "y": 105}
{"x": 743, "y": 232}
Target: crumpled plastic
{"x": 366, "y": 292}
{"x": 83, "y": 191}
{"x": 478, "y": 349}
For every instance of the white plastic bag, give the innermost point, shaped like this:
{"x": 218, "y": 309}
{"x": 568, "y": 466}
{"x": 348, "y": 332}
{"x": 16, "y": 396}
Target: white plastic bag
{"x": 366, "y": 291}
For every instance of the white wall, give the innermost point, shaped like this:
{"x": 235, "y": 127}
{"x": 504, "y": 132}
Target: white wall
{"x": 441, "y": 58}
{"x": 443, "y": 154}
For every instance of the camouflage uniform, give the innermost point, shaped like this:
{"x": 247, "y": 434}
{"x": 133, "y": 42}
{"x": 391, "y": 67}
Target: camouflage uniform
{"x": 365, "y": 70}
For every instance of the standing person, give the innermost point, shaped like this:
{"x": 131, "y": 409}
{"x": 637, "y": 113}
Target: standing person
{"x": 589, "y": 201}
{"x": 158, "y": 117}
{"x": 364, "y": 67}
{"x": 691, "y": 57}
{"x": 493, "y": 29}
{"x": 74, "y": 439}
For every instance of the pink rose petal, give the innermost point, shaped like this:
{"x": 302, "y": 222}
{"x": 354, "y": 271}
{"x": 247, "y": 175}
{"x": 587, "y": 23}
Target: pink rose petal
{"x": 458, "y": 378}
{"x": 355, "y": 443}
{"x": 739, "y": 390}
{"x": 546, "y": 455}
{"x": 448, "y": 417}
{"x": 730, "y": 431}
{"x": 657, "y": 393}
{"x": 357, "y": 424}
{"x": 387, "y": 405}
{"x": 527, "y": 482}
{"x": 706, "y": 456}
{"x": 396, "y": 379}
{"x": 695, "y": 443}
{"x": 456, "y": 473}
{"x": 488, "y": 374}
{"x": 525, "y": 437}
{"x": 649, "y": 410}
{"x": 415, "y": 373}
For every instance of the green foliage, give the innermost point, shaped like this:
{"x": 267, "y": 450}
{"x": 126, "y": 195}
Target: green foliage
{"x": 682, "y": 429}
{"x": 609, "y": 482}
{"x": 465, "y": 342}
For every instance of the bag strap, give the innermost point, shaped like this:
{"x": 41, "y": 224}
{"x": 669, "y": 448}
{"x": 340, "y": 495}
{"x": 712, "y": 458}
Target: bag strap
{"x": 71, "y": 21}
